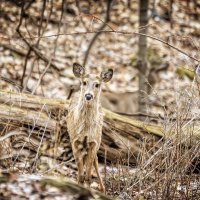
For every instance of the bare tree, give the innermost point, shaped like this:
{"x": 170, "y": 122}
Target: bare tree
{"x": 142, "y": 49}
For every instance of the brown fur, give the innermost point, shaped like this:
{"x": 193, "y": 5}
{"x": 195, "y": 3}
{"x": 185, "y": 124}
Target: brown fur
{"x": 84, "y": 123}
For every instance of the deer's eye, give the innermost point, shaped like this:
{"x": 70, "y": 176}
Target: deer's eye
{"x": 84, "y": 83}
{"x": 96, "y": 85}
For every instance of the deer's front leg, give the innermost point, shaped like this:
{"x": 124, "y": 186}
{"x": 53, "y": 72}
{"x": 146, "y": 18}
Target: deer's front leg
{"x": 96, "y": 166}
{"x": 79, "y": 161}
{"x": 81, "y": 177}
{"x": 90, "y": 160}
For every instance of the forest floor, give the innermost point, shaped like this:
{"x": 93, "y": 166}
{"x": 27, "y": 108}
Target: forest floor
{"x": 111, "y": 50}
{"x": 117, "y": 51}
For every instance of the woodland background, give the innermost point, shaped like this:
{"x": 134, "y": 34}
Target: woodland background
{"x": 151, "y": 137}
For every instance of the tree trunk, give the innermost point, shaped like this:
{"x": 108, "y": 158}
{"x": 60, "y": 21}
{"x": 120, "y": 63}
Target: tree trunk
{"x": 142, "y": 58}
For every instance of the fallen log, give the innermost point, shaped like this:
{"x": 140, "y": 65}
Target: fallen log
{"x": 43, "y": 121}
{"x": 13, "y": 186}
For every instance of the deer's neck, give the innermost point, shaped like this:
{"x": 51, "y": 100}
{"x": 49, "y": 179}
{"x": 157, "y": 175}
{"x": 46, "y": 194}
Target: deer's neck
{"x": 87, "y": 118}
{"x": 89, "y": 108}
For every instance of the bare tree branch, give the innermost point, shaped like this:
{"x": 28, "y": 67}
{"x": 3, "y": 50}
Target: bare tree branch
{"x": 50, "y": 61}
{"x": 33, "y": 48}
{"x": 107, "y": 19}
{"x": 123, "y": 33}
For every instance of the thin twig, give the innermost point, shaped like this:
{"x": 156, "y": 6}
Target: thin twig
{"x": 50, "y": 61}
{"x": 107, "y": 19}
{"x": 14, "y": 84}
{"x": 122, "y": 33}
{"x": 57, "y": 166}
{"x": 25, "y": 66}
{"x": 41, "y": 22}
{"x": 34, "y": 49}
{"x": 37, "y": 45}
{"x": 13, "y": 49}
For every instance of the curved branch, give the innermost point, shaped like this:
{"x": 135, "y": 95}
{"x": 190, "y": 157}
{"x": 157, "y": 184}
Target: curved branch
{"x": 107, "y": 19}
{"x": 121, "y": 33}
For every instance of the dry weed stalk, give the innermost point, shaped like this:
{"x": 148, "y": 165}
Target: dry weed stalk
{"x": 167, "y": 171}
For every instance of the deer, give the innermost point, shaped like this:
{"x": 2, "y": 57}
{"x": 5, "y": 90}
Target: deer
{"x": 85, "y": 121}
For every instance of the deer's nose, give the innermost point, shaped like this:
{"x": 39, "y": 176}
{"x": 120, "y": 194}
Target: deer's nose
{"x": 88, "y": 96}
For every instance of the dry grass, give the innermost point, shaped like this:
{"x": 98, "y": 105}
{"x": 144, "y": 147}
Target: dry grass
{"x": 170, "y": 169}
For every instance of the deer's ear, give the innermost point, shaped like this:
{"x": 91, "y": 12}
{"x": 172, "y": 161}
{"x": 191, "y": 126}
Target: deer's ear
{"x": 106, "y": 75}
{"x": 78, "y": 70}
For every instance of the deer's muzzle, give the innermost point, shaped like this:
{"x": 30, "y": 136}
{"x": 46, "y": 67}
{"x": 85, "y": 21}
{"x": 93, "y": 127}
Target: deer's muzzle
{"x": 88, "y": 97}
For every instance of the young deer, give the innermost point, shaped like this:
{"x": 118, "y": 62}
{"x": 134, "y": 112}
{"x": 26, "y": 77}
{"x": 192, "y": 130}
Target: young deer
{"x": 85, "y": 121}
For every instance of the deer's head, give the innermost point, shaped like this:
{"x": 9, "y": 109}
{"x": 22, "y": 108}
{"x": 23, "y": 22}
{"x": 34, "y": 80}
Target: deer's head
{"x": 91, "y": 83}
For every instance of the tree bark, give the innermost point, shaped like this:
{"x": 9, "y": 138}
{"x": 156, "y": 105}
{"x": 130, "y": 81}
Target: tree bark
{"x": 142, "y": 58}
